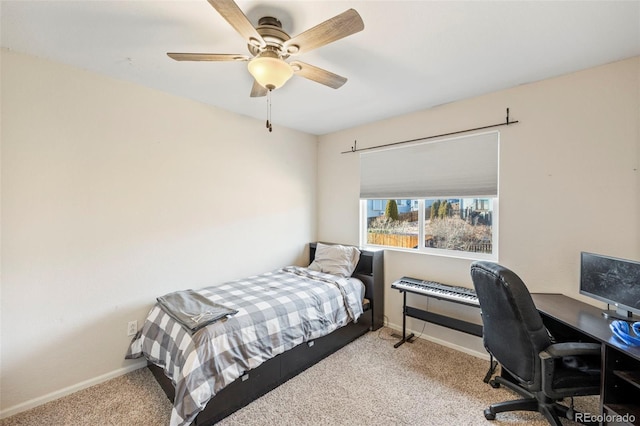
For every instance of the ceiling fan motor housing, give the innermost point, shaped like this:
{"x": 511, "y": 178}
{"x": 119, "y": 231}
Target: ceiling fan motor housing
{"x": 270, "y": 29}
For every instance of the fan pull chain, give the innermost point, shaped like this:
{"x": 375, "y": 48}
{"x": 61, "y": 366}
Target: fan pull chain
{"x": 269, "y": 111}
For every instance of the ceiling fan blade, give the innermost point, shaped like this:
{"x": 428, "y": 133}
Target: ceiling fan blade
{"x": 230, "y": 11}
{"x": 338, "y": 27}
{"x": 207, "y": 57}
{"x": 257, "y": 90}
{"x": 318, "y": 75}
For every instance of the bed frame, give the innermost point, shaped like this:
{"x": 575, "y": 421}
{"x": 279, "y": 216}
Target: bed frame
{"x": 281, "y": 368}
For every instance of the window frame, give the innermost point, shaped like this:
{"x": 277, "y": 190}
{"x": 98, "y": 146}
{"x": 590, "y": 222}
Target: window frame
{"x": 422, "y": 249}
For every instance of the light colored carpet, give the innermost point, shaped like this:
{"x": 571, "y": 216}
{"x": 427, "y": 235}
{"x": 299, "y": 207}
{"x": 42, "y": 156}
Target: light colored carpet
{"x": 367, "y": 382}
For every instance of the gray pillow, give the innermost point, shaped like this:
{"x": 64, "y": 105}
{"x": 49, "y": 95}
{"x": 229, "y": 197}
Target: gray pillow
{"x": 335, "y": 259}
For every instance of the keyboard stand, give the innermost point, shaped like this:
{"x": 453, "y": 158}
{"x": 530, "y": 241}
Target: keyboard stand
{"x": 453, "y": 323}
{"x": 405, "y": 338}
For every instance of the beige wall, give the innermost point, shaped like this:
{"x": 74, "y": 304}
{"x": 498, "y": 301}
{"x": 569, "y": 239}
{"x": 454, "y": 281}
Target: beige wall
{"x": 114, "y": 194}
{"x": 569, "y": 182}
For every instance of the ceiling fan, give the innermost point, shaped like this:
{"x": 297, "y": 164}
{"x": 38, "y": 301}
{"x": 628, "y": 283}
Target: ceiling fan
{"x": 270, "y": 46}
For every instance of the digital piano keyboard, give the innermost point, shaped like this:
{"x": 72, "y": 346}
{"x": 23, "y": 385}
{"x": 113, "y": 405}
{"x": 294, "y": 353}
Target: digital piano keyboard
{"x": 451, "y": 293}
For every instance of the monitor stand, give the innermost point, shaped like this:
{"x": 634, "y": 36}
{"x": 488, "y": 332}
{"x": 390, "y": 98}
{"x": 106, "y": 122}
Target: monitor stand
{"x": 620, "y": 314}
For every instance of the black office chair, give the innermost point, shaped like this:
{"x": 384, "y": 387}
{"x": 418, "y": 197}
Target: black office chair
{"x": 532, "y": 365}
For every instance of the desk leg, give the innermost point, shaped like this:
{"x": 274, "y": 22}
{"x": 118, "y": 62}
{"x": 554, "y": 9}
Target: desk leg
{"x": 405, "y": 338}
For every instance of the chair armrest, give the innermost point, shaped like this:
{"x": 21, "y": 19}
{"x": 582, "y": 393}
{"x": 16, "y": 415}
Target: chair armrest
{"x": 558, "y": 350}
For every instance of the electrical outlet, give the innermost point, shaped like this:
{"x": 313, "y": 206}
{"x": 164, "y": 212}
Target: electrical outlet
{"x": 132, "y": 328}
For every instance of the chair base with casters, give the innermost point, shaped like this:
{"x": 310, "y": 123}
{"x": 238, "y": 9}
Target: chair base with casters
{"x": 550, "y": 409}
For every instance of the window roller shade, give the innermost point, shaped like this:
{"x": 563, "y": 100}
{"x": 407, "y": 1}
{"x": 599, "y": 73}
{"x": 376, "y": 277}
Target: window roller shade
{"x": 465, "y": 166}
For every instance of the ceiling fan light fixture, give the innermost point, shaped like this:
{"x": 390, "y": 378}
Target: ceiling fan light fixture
{"x": 269, "y": 71}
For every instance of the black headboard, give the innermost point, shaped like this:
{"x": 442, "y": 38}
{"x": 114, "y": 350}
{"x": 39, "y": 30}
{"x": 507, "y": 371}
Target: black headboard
{"x": 370, "y": 270}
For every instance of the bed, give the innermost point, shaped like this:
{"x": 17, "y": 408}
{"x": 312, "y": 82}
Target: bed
{"x": 210, "y": 373}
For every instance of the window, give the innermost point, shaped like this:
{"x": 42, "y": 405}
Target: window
{"x": 393, "y": 225}
{"x": 455, "y": 210}
{"x": 459, "y": 224}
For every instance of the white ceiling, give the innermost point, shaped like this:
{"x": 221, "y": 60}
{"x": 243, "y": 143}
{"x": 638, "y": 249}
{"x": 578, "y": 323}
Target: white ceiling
{"x": 412, "y": 55}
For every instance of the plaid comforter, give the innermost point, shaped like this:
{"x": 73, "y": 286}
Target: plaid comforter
{"x": 276, "y": 311}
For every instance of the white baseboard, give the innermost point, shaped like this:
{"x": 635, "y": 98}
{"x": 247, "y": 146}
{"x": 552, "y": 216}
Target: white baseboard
{"x": 472, "y": 352}
{"x": 27, "y": 405}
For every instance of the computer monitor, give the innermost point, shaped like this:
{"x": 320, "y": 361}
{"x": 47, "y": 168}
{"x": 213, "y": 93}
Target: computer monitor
{"x": 614, "y": 281}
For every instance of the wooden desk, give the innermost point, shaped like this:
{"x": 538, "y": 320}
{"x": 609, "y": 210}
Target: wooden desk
{"x": 570, "y": 319}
